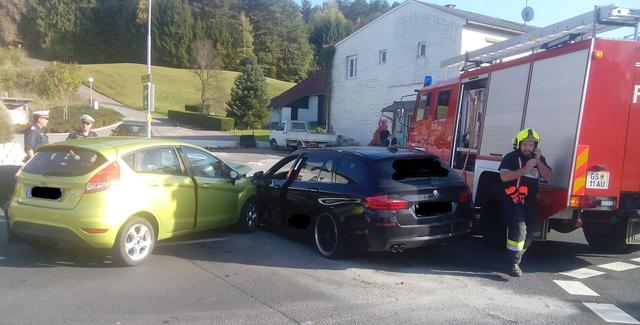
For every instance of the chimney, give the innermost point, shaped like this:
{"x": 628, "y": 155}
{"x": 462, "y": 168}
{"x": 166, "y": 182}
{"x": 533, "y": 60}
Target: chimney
{"x": 450, "y": 5}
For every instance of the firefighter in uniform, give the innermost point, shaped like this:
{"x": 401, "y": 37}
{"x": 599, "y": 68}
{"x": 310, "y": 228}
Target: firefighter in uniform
{"x": 520, "y": 172}
{"x": 34, "y": 136}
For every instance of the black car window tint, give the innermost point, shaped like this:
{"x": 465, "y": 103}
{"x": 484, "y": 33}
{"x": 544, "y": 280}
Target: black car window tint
{"x": 159, "y": 161}
{"x": 409, "y": 169}
{"x": 310, "y": 169}
{"x": 326, "y": 172}
{"x": 205, "y": 165}
{"x": 283, "y": 168}
{"x": 348, "y": 171}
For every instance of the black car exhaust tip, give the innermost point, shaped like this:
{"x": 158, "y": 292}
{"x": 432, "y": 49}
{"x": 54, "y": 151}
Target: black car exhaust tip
{"x": 398, "y": 248}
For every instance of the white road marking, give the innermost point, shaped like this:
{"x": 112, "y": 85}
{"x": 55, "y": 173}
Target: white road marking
{"x": 610, "y": 313}
{"x": 636, "y": 259}
{"x": 618, "y": 266}
{"x": 576, "y": 288}
{"x": 188, "y": 242}
{"x": 582, "y": 273}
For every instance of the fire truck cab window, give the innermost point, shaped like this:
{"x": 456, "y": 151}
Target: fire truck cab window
{"x": 442, "y": 109}
{"x": 422, "y": 113}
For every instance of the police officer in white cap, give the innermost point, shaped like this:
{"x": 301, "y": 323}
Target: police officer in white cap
{"x": 86, "y": 122}
{"x": 34, "y": 136}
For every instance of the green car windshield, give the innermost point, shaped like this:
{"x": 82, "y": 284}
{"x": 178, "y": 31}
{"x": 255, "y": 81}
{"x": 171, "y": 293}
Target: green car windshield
{"x": 64, "y": 162}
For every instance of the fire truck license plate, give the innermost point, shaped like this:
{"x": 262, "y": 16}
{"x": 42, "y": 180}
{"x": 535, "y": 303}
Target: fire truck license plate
{"x": 598, "y": 180}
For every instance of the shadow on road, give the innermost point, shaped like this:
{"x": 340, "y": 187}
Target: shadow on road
{"x": 466, "y": 257}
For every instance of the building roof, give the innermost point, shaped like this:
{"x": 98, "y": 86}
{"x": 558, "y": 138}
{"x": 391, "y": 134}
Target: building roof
{"x": 313, "y": 85}
{"x": 472, "y": 17}
{"x": 406, "y": 105}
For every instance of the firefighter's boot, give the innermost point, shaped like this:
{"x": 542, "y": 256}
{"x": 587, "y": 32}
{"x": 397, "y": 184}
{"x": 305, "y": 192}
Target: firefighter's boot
{"x": 515, "y": 271}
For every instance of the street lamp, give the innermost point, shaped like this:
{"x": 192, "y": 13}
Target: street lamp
{"x": 91, "y": 91}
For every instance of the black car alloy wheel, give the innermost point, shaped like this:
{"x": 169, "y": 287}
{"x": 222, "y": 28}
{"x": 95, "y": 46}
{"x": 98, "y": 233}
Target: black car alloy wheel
{"x": 328, "y": 237}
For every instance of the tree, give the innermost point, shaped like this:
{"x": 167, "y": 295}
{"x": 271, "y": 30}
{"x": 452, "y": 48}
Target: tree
{"x": 249, "y": 100}
{"x": 327, "y": 26}
{"x": 52, "y": 26}
{"x": 205, "y": 61}
{"x": 172, "y": 22}
{"x": 60, "y": 81}
{"x": 306, "y": 9}
{"x": 11, "y": 12}
{"x": 247, "y": 34}
{"x": 281, "y": 38}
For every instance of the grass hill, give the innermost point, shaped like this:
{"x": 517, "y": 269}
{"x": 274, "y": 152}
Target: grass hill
{"x": 174, "y": 87}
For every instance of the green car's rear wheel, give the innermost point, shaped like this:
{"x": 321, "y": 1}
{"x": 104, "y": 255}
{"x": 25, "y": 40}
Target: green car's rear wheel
{"x": 135, "y": 242}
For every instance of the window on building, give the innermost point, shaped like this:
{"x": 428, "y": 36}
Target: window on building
{"x": 422, "y": 49}
{"x": 382, "y": 57}
{"x": 352, "y": 67}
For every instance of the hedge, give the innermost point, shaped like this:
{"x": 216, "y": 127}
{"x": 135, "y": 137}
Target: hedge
{"x": 208, "y": 122}
{"x": 103, "y": 117}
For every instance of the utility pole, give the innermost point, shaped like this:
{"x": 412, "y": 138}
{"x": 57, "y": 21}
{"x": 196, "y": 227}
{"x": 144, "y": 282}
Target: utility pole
{"x": 149, "y": 91}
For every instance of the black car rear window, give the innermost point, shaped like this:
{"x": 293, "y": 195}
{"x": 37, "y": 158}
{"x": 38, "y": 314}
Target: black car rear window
{"x": 64, "y": 162}
{"x": 404, "y": 170}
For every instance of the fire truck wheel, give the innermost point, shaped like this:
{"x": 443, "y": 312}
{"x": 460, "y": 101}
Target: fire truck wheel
{"x": 493, "y": 225}
{"x": 606, "y": 237}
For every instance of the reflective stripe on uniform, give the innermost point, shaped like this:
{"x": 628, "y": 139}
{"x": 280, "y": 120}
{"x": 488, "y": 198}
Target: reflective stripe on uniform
{"x": 515, "y": 245}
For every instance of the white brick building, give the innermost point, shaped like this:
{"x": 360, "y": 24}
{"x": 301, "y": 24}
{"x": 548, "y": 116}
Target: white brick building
{"x": 389, "y": 58}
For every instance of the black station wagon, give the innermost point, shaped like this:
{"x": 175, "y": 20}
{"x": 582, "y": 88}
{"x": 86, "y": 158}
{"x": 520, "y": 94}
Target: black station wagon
{"x": 364, "y": 198}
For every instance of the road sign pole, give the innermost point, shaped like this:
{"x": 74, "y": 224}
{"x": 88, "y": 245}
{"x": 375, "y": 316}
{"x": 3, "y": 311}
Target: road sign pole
{"x": 149, "y": 86}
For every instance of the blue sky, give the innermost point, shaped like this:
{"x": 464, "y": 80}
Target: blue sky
{"x": 546, "y": 11}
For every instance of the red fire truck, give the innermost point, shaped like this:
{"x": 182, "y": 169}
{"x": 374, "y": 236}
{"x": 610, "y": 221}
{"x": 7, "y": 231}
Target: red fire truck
{"x": 581, "y": 93}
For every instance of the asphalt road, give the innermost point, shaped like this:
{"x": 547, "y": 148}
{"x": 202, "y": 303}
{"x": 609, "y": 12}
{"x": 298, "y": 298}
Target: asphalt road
{"x": 222, "y": 277}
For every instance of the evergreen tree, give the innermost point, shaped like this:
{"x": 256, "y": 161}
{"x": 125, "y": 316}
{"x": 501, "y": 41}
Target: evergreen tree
{"x": 172, "y": 32}
{"x": 280, "y": 38}
{"x": 51, "y": 27}
{"x": 327, "y": 26}
{"x": 249, "y": 100}
{"x": 306, "y": 9}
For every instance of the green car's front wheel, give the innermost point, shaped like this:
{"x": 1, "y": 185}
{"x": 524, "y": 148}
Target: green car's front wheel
{"x": 135, "y": 242}
{"x": 248, "y": 221}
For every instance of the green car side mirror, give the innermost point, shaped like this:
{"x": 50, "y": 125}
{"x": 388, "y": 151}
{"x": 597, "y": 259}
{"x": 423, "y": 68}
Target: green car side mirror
{"x": 234, "y": 176}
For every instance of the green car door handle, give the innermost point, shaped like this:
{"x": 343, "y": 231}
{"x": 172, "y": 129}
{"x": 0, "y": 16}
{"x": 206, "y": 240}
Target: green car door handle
{"x": 206, "y": 185}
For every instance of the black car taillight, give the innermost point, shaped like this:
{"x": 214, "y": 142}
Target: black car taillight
{"x": 464, "y": 198}
{"x": 384, "y": 202}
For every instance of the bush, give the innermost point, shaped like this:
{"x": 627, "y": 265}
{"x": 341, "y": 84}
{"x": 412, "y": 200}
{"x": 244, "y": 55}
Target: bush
{"x": 192, "y": 108}
{"x": 207, "y": 122}
{"x": 6, "y": 127}
{"x": 11, "y": 56}
{"x": 13, "y": 80}
{"x": 196, "y": 108}
{"x": 103, "y": 117}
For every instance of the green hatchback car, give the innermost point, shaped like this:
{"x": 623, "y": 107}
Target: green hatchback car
{"x": 126, "y": 193}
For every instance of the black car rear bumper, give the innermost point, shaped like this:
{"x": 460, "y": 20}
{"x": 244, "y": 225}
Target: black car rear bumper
{"x": 398, "y": 238}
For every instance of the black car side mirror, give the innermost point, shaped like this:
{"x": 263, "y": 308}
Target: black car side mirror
{"x": 258, "y": 178}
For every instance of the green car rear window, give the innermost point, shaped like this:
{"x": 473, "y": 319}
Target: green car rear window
{"x": 64, "y": 162}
